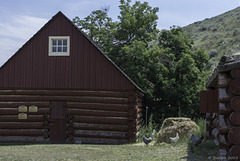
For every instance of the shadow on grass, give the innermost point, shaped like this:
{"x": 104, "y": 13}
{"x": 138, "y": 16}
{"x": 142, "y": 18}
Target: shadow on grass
{"x": 21, "y": 144}
{"x": 204, "y": 151}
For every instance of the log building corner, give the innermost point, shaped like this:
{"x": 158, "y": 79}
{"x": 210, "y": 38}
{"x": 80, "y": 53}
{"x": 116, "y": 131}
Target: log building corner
{"x": 221, "y": 103}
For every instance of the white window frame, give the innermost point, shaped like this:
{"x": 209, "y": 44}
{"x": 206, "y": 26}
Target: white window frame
{"x": 50, "y": 46}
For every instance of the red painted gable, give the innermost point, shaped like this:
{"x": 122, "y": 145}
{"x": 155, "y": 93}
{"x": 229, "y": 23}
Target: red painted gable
{"x": 86, "y": 67}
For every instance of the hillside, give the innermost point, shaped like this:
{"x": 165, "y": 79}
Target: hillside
{"x": 219, "y": 35}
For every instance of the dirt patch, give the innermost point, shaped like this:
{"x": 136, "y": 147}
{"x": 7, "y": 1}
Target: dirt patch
{"x": 181, "y": 125}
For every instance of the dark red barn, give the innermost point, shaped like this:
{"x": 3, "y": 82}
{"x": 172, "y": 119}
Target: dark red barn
{"x": 60, "y": 87}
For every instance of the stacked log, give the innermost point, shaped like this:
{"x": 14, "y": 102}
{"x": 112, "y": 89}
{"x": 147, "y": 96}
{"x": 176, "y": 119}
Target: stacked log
{"x": 223, "y": 124}
{"x": 97, "y": 126}
{"x": 111, "y": 117}
{"x": 70, "y": 130}
{"x": 210, "y": 119}
{"x": 32, "y": 128}
{"x": 134, "y": 116}
{"x": 114, "y": 121}
{"x": 234, "y": 132}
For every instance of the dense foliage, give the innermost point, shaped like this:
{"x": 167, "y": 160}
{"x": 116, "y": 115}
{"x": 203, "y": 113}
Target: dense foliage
{"x": 178, "y": 89}
{"x": 162, "y": 63}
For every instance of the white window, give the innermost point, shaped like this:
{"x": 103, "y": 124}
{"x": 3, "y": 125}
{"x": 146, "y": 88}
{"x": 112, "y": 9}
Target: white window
{"x": 59, "y": 46}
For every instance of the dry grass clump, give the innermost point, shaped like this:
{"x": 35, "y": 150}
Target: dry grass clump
{"x": 181, "y": 125}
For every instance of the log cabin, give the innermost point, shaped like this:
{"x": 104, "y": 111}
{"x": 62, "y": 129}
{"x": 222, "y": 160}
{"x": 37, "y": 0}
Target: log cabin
{"x": 221, "y": 103}
{"x": 60, "y": 87}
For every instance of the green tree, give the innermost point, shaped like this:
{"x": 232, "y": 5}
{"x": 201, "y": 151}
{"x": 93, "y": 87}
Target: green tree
{"x": 142, "y": 64}
{"x": 137, "y": 22}
{"x": 99, "y": 27}
{"x": 137, "y": 25}
{"x": 177, "y": 92}
{"x": 162, "y": 63}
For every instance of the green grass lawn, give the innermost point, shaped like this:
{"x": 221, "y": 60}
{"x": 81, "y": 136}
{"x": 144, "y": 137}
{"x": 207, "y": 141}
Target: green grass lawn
{"x": 138, "y": 151}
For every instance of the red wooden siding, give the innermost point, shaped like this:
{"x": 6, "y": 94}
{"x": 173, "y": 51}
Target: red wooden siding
{"x": 85, "y": 68}
{"x": 209, "y": 101}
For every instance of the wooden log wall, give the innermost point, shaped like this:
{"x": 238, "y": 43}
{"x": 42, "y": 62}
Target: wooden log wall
{"x": 22, "y": 120}
{"x": 223, "y": 123}
{"x": 224, "y": 126}
{"x": 210, "y": 125}
{"x": 110, "y": 122}
{"x": 234, "y": 131}
{"x": 110, "y": 117}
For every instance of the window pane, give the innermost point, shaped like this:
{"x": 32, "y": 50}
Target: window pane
{"x": 59, "y": 42}
{"x": 54, "y": 42}
{"x": 54, "y": 49}
{"x": 59, "y": 45}
{"x": 59, "y": 49}
{"x": 64, "y": 49}
{"x": 64, "y": 42}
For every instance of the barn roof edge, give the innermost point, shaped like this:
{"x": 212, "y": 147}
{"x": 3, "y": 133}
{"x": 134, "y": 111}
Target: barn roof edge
{"x": 226, "y": 63}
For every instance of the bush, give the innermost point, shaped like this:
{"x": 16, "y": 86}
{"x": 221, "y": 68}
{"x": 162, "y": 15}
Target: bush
{"x": 236, "y": 32}
{"x": 202, "y": 127}
{"x": 203, "y": 28}
{"x": 213, "y": 53}
{"x": 148, "y": 130}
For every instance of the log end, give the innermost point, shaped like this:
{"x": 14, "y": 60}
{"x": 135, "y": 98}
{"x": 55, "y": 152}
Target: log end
{"x": 234, "y": 135}
{"x": 234, "y": 152}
